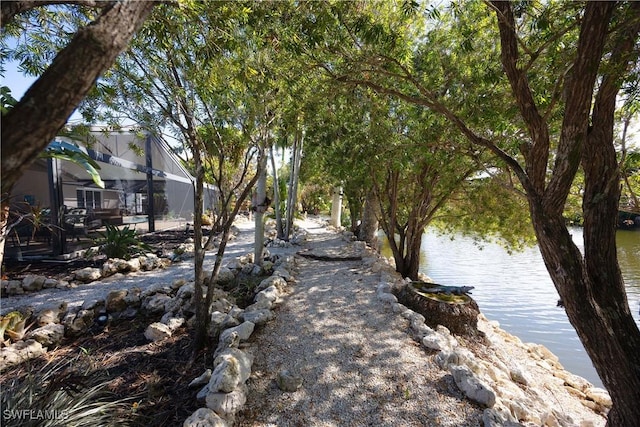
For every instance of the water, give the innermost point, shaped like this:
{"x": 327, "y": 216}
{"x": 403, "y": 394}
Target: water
{"x": 516, "y": 290}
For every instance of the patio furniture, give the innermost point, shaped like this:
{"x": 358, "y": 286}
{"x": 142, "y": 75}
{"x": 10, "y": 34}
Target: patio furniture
{"x": 75, "y": 222}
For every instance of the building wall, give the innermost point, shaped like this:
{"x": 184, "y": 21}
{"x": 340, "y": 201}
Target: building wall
{"x": 34, "y": 186}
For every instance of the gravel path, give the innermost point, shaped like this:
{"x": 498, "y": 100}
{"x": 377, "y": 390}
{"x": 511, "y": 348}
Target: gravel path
{"x": 359, "y": 365}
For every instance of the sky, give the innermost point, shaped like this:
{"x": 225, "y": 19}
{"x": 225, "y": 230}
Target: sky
{"x": 15, "y": 80}
{"x": 19, "y": 83}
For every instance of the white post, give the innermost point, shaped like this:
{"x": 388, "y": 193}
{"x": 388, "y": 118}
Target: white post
{"x": 336, "y": 207}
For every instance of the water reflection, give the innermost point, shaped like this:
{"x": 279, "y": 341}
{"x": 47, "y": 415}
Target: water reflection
{"x": 515, "y": 289}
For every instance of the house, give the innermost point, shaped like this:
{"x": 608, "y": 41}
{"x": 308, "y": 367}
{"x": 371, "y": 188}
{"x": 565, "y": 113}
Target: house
{"x": 145, "y": 186}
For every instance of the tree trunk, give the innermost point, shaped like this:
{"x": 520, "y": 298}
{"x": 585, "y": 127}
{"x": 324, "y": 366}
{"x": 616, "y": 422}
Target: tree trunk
{"x": 591, "y": 286}
{"x": 33, "y": 123}
{"x": 336, "y": 207}
{"x": 276, "y": 195}
{"x": 354, "y": 203}
{"x": 261, "y": 195}
{"x": 292, "y": 200}
{"x": 202, "y": 310}
{"x": 369, "y": 225}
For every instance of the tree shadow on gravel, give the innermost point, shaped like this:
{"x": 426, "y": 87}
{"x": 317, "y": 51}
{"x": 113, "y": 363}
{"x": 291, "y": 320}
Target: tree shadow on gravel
{"x": 359, "y": 365}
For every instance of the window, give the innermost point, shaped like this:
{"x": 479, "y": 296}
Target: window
{"x": 89, "y": 199}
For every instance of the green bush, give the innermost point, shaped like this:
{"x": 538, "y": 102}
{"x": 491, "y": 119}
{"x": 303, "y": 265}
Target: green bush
{"x": 67, "y": 392}
{"x": 120, "y": 242}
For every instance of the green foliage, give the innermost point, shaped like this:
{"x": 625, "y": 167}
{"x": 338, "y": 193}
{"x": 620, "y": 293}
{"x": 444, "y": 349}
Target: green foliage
{"x": 72, "y": 390}
{"x": 13, "y": 324}
{"x": 120, "y": 242}
{"x": 7, "y": 101}
{"x": 71, "y": 152}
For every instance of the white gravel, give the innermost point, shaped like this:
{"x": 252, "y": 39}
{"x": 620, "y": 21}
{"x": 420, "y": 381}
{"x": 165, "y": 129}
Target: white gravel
{"x": 241, "y": 245}
{"x": 359, "y": 365}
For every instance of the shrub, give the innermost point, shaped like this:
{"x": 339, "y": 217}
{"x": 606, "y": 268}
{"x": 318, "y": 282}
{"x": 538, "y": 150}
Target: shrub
{"x": 13, "y": 324}
{"x": 68, "y": 392}
{"x": 120, "y": 242}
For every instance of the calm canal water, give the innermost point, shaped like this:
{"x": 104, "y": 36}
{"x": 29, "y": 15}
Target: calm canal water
{"x": 515, "y": 289}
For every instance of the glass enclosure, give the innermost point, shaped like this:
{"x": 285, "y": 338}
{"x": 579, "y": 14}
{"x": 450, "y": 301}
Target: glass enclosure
{"x": 145, "y": 186}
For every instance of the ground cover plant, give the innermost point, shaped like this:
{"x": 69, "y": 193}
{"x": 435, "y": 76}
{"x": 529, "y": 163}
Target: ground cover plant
{"x": 110, "y": 376}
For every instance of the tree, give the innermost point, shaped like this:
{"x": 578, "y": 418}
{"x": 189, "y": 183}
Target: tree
{"x": 34, "y": 121}
{"x": 424, "y": 172}
{"x": 182, "y": 73}
{"x": 564, "y": 64}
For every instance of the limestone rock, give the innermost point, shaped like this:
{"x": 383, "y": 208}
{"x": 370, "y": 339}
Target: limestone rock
{"x": 50, "y": 283}
{"x": 215, "y": 325}
{"x": 204, "y": 417}
{"x": 388, "y": 298}
{"x": 174, "y": 323}
{"x": 436, "y": 341}
{"x": 202, "y": 393}
{"x": 77, "y": 323}
{"x": 600, "y": 396}
{"x": 222, "y": 305}
{"x": 517, "y": 375}
{"x": 243, "y": 360}
{"x": 48, "y": 335}
{"x": 259, "y": 317}
{"x": 88, "y": 274}
{"x": 227, "y": 404}
{"x": 225, "y": 276}
{"x": 288, "y": 382}
{"x": 543, "y": 353}
{"x": 157, "y": 331}
{"x": 248, "y": 268}
{"x": 271, "y": 294}
{"x": 19, "y": 352}
{"x": 284, "y": 274}
{"x": 51, "y": 314}
{"x": 115, "y": 300}
{"x": 178, "y": 283}
{"x": 91, "y": 304}
{"x": 201, "y": 380}
{"x": 32, "y": 283}
{"x": 231, "y": 340}
{"x": 14, "y": 287}
{"x": 279, "y": 282}
{"x": 263, "y": 304}
{"x": 109, "y": 268}
{"x": 226, "y": 376}
{"x": 472, "y": 387}
{"x": 133, "y": 264}
{"x": 148, "y": 261}
{"x": 186, "y": 291}
{"x": 243, "y": 330}
{"x": 133, "y": 297}
{"x": 155, "y": 303}
{"x": 127, "y": 313}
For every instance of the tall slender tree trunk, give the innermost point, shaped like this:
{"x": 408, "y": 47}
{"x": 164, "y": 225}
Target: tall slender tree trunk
{"x": 292, "y": 199}
{"x": 261, "y": 195}
{"x": 202, "y": 310}
{"x": 276, "y": 195}
{"x": 369, "y": 225}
